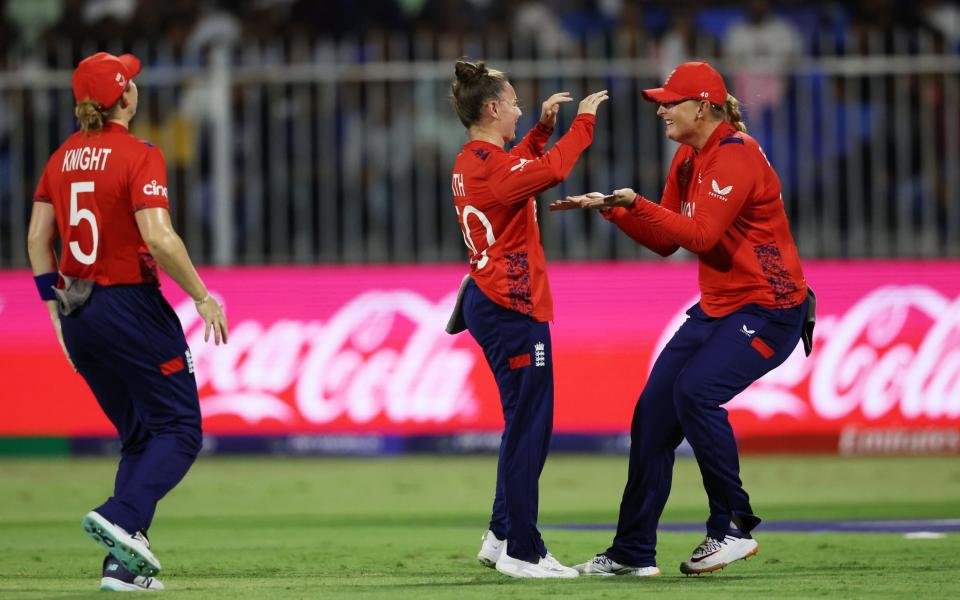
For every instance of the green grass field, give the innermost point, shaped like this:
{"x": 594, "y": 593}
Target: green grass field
{"x": 410, "y": 528}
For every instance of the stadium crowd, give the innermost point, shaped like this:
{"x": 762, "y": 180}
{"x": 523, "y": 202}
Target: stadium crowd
{"x": 40, "y": 29}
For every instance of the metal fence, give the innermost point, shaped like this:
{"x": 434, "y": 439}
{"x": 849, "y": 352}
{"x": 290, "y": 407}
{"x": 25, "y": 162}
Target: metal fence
{"x": 342, "y": 151}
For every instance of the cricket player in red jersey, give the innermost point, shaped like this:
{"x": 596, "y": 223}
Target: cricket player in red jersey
{"x": 722, "y": 202}
{"x": 506, "y": 302}
{"x": 104, "y": 192}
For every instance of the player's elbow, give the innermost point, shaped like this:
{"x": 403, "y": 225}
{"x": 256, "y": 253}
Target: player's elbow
{"x": 39, "y": 243}
{"x": 161, "y": 242}
{"x": 701, "y": 243}
{"x": 666, "y": 251}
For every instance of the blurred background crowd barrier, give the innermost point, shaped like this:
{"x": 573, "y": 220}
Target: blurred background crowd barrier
{"x": 301, "y": 133}
{"x": 304, "y": 132}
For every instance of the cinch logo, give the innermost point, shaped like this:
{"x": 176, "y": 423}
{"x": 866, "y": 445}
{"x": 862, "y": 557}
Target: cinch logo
{"x": 539, "y": 355}
{"x": 520, "y": 165}
{"x": 155, "y": 189}
{"x": 718, "y": 192}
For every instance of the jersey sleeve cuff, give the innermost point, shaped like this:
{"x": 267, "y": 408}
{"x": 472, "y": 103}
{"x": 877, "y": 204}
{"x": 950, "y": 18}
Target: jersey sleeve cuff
{"x": 142, "y": 204}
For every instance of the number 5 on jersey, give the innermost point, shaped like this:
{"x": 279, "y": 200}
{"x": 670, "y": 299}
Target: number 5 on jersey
{"x": 77, "y": 215}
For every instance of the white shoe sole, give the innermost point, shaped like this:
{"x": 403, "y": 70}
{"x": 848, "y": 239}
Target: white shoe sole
{"x": 132, "y": 554}
{"x": 688, "y": 568}
{"x": 584, "y": 571}
{"x": 526, "y": 570}
{"x": 109, "y": 584}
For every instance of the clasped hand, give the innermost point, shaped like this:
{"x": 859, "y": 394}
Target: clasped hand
{"x": 622, "y": 197}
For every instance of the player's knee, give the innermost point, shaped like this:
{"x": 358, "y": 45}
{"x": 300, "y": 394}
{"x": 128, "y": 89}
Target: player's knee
{"x": 191, "y": 439}
{"x": 687, "y": 394}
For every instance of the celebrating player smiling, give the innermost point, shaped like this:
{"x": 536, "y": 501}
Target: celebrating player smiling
{"x": 722, "y": 202}
{"x": 506, "y": 301}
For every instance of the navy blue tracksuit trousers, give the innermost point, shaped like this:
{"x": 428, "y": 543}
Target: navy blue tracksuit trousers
{"x": 129, "y": 346}
{"x": 706, "y": 363}
{"x": 518, "y": 350}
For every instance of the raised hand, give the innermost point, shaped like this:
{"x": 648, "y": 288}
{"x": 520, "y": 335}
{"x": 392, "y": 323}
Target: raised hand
{"x": 588, "y": 106}
{"x": 551, "y": 106}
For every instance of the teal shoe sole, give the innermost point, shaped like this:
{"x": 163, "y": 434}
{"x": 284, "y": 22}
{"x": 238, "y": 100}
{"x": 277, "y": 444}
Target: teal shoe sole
{"x": 133, "y": 555}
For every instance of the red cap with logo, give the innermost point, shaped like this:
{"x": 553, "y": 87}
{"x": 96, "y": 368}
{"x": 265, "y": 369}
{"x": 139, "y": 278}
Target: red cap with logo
{"x": 689, "y": 81}
{"x": 103, "y": 77}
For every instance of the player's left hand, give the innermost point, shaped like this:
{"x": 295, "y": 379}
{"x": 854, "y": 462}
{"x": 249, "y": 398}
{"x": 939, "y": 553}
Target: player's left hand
{"x": 551, "y": 106}
{"x": 214, "y": 319}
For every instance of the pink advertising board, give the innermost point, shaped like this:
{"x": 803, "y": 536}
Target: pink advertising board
{"x": 362, "y": 350}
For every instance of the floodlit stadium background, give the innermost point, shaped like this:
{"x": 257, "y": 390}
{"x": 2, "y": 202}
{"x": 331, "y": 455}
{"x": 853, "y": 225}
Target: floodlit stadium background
{"x": 309, "y": 147}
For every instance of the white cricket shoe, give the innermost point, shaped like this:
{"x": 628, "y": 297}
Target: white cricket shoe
{"x": 116, "y": 578}
{"x": 712, "y": 555}
{"x": 133, "y": 551}
{"x": 550, "y": 562}
{"x": 546, "y": 567}
{"x": 491, "y": 550}
{"x": 604, "y": 566}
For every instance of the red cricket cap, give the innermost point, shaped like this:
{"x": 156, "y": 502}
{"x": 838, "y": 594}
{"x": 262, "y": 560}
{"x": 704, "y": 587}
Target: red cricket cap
{"x": 103, "y": 77}
{"x": 691, "y": 80}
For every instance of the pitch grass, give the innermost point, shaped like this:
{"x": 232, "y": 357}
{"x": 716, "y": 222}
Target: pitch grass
{"x": 410, "y": 528}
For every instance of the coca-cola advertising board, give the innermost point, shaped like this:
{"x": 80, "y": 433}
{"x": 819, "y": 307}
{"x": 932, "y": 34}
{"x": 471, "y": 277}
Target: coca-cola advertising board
{"x": 362, "y": 350}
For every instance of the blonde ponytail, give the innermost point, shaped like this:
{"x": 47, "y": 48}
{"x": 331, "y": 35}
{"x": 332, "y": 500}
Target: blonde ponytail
{"x": 731, "y": 113}
{"x": 89, "y": 115}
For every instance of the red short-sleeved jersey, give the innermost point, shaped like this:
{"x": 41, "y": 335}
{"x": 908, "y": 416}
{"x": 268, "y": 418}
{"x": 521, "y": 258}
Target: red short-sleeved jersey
{"x": 96, "y": 183}
{"x": 493, "y": 192}
{"x": 723, "y": 203}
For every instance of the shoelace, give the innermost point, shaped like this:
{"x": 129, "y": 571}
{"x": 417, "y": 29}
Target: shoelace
{"x": 707, "y": 546}
{"x": 139, "y": 536}
{"x": 603, "y": 560}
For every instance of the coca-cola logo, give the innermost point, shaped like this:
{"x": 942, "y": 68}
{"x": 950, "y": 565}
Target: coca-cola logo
{"x": 894, "y": 353}
{"x": 384, "y": 354}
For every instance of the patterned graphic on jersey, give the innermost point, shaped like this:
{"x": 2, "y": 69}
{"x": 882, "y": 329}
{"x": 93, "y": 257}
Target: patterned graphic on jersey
{"x": 148, "y": 268}
{"x": 771, "y": 263}
{"x": 518, "y": 279}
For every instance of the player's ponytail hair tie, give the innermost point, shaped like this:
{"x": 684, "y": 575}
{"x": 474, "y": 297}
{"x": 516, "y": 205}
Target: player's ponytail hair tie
{"x": 475, "y": 85}
{"x": 467, "y": 71}
{"x": 89, "y": 115}
{"x": 732, "y": 114}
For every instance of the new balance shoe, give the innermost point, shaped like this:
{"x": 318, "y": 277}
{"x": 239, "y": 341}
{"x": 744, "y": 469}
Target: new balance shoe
{"x": 604, "y": 566}
{"x": 491, "y": 550}
{"x": 132, "y": 550}
{"x": 116, "y": 578}
{"x": 713, "y": 554}
{"x": 546, "y": 567}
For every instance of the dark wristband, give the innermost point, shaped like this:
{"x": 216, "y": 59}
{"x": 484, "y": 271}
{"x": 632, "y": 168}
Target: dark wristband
{"x": 46, "y": 283}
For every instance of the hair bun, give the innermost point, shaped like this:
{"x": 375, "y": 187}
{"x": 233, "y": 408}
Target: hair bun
{"x": 467, "y": 71}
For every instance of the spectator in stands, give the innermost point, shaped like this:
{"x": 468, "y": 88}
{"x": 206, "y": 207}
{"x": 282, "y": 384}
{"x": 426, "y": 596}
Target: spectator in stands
{"x": 763, "y": 47}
